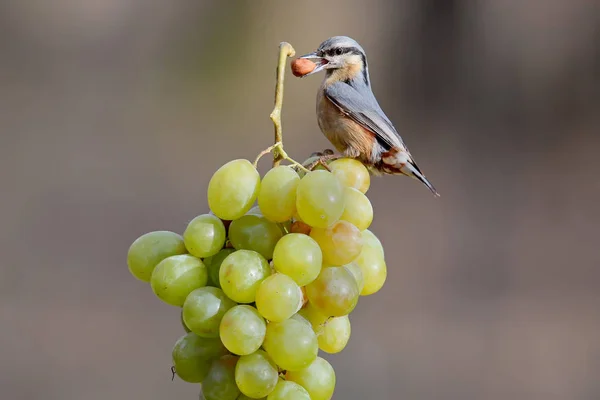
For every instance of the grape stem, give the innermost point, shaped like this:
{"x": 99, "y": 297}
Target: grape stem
{"x": 285, "y": 50}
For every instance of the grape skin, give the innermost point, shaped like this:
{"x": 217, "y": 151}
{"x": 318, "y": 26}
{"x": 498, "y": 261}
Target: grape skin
{"x": 253, "y": 232}
{"x": 242, "y": 330}
{"x": 213, "y": 264}
{"x": 374, "y": 269}
{"x": 334, "y": 292}
{"x": 356, "y": 271}
{"x": 241, "y": 273}
{"x": 278, "y": 297}
{"x": 370, "y": 240}
{"x": 288, "y": 390}
{"x": 334, "y": 335}
{"x": 340, "y": 244}
{"x": 352, "y": 173}
{"x": 256, "y": 374}
{"x": 292, "y": 344}
{"x": 150, "y": 249}
{"x": 320, "y": 199}
{"x": 175, "y": 277}
{"x": 219, "y": 383}
{"x": 358, "y": 210}
{"x": 233, "y": 189}
{"x": 299, "y": 257}
{"x": 204, "y": 236}
{"x": 193, "y": 355}
{"x": 318, "y": 379}
{"x": 277, "y": 196}
{"x": 203, "y": 310}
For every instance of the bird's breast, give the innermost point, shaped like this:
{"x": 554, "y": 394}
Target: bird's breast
{"x": 348, "y": 137}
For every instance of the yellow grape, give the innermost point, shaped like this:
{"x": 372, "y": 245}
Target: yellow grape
{"x": 318, "y": 379}
{"x": 358, "y": 210}
{"x": 351, "y": 173}
{"x": 341, "y": 243}
{"x": 358, "y": 274}
{"x": 299, "y": 257}
{"x": 374, "y": 269}
{"x": 370, "y": 240}
{"x": 334, "y": 334}
{"x": 292, "y": 344}
{"x": 205, "y": 236}
{"x": 242, "y": 330}
{"x": 233, "y": 189}
{"x": 175, "y": 277}
{"x": 241, "y": 273}
{"x": 277, "y": 196}
{"x": 288, "y": 390}
{"x": 320, "y": 199}
{"x": 334, "y": 292}
{"x": 314, "y": 316}
{"x": 150, "y": 249}
{"x": 278, "y": 297}
{"x": 256, "y": 375}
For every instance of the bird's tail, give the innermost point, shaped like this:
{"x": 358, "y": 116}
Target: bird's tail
{"x": 411, "y": 169}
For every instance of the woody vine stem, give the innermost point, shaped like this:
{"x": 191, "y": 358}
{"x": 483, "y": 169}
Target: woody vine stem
{"x": 285, "y": 50}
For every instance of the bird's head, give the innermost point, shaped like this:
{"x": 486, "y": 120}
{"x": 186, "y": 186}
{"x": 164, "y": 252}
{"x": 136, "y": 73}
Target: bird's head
{"x": 341, "y": 57}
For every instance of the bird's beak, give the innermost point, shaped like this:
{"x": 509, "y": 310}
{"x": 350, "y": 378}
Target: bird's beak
{"x": 319, "y": 61}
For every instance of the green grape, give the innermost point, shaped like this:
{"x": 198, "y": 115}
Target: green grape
{"x": 318, "y": 379}
{"x": 219, "y": 383}
{"x": 286, "y": 226}
{"x": 320, "y": 199}
{"x": 213, "y": 264}
{"x": 334, "y": 292}
{"x": 193, "y": 355}
{"x": 204, "y": 236}
{"x": 233, "y": 189}
{"x": 314, "y": 316}
{"x": 175, "y": 277}
{"x": 252, "y": 232}
{"x": 292, "y": 344}
{"x": 374, "y": 269}
{"x": 288, "y": 390}
{"x": 277, "y": 196}
{"x": 185, "y": 328}
{"x": 244, "y": 397}
{"x": 242, "y": 330}
{"x": 241, "y": 273}
{"x": 150, "y": 249}
{"x": 256, "y": 374}
{"x": 358, "y": 210}
{"x": 351, "y": 173}
{"x": 278, "y": 297}
{"x": 370, "y": 240}
{"x": 341, "y": 243}
{"x": 334, "y": 334}
{"x": 298, "y": 256}
{"x": 301, "y": 318}
{"x": 203, "y": 310}
{"x": 358, "y": 274}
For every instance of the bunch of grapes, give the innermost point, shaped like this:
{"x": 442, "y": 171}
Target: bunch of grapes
{"x": 262, "y": 288}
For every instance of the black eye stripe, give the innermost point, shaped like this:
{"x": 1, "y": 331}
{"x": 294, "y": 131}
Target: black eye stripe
{"x": 338, "y": 51}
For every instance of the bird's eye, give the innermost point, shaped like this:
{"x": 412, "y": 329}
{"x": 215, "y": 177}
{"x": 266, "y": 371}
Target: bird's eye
{"x": 338, "y": 52}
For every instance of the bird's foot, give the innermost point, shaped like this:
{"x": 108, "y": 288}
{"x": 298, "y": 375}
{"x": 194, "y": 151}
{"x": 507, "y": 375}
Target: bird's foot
{"x": 321, "y": 158}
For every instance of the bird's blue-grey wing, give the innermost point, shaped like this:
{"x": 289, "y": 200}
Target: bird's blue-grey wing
{"x": 365, "y": 110}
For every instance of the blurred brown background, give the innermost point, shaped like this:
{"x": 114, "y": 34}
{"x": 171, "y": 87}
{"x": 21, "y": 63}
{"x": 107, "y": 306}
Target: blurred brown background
{"x": 115, "y": 113}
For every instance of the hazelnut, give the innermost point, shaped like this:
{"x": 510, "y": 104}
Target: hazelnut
{"x": 302, "y": 66}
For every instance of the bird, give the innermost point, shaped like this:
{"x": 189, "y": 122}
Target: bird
{"x": 349, "y": 115}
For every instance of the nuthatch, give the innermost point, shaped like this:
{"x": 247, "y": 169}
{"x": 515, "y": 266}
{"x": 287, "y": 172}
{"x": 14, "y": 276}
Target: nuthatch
{"x": 350, "y": 116}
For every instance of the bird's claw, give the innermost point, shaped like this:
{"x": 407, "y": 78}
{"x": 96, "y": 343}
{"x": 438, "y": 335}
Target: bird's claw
{"x": 322, "y": 158}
